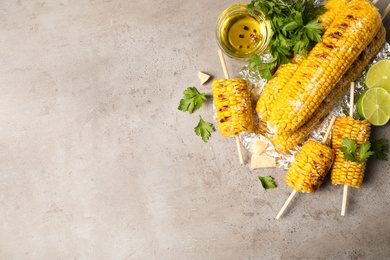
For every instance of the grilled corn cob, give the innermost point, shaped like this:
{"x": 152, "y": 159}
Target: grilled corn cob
{"x": 285, "y": 141}
{"x": 343, "y": 171}
{"x": 271, "y": 90}
{"x": 342, "y": 43}
{"x": 332, "y": 8}
{"x": 310, "y": 167}
{"x": 233, "y": 107}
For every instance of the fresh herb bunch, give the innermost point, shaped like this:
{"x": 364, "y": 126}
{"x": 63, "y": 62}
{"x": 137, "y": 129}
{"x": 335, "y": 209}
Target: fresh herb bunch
{"x": 294, "y": 27}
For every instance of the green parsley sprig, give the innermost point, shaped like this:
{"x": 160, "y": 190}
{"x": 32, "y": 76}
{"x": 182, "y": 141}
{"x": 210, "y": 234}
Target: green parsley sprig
{"x": 349, "y": 149}
{"x": 380, "y": 148}
{"x": 294, "y": 27}
{"x": 267, "y": 182}
{"x": 191, "y": 100}
{"x": 204, "y": 129}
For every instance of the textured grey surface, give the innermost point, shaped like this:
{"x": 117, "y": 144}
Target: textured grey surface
{"x": 96, "y": 162}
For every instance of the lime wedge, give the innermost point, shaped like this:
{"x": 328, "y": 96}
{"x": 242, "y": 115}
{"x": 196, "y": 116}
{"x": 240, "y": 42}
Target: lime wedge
{"x": 374, "y": 105}
{"x": 379, "y": 75}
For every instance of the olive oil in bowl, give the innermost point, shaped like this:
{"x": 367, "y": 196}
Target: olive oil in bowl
{"x": 241, "y": 33}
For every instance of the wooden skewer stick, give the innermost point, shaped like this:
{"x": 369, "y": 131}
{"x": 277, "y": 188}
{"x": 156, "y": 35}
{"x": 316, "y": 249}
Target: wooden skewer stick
{"x": 285, "y": 205}
{"x": 374, "y": 2}
{"x": 225, "y": 71}
{"x": 345, "y": 191}
{"x": 385, "y": 12}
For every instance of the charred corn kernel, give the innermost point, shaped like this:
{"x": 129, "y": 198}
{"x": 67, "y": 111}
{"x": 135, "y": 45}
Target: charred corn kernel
{"x": 285, "y": 141}
{"x": 344, "y": 171}
{"x": 332, "y": 8}
{"x": 341, "y": 44}
{"x": 310, "y": 167}
{"x": 270, "y": 93}
{"x": 233, "y": 107}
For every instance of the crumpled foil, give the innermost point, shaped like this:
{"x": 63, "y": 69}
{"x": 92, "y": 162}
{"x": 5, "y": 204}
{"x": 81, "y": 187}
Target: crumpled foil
{"x": 340, "y": 108}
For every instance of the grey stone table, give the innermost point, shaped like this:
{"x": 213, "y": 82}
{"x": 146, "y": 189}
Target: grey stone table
{"x": 96, "y": 162}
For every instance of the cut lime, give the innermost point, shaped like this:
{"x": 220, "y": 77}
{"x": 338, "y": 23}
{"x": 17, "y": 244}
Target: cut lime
{"x": 374, "y": 105}
{"x": 379, "y": 75}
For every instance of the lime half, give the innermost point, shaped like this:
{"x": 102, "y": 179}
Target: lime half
{"x": 374, "y": 105}
{"x": 379, "y": 75}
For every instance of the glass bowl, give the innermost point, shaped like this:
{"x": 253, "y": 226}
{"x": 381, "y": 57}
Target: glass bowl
{"x": 241, "y": 33}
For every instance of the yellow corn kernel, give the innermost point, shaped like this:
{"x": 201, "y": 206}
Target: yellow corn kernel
{"x": 233, "y": 107}
{"x": 310, "y": 167}
{"x": 341, "y": 44}
{"x": 344, "y": 171}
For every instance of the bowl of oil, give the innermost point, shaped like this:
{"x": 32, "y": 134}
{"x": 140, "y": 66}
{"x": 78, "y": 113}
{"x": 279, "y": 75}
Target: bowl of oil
{"x": 241, "y": 33}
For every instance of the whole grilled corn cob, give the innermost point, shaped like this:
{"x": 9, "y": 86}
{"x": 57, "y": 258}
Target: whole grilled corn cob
{"x": 233, "y": 107}
{"x": 310, "y": 166}
{"x": 342, "y": 43}
{"x": 285, "y": 141}
{"x": 343, "y": 171}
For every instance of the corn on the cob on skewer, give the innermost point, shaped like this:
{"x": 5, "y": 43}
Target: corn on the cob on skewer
{"x": 343, "y": 171}
{"x": 310, "y": 167}
{"x": 283, "y": 74}
{"x": 233, "y": 107}
{"x": 285, "y": 141}
{"x": 342, "y": 43}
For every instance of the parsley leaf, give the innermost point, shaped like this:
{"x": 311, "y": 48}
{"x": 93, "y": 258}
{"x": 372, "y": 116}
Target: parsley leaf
{"x": 191, "y": 100}
{"x": 204, "y": 129}
{"x": 364, "y": 151}
{"x": 267, "y": 182}
{"x": 313, "y": 30}
{"x": 380, "y": 148}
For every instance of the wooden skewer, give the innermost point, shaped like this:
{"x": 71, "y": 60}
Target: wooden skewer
{"x": 385, "y": 12}
{"x": 225, "y": 71}
{"x": 285, "y": 205}
{"x": 374, "y": 2}
{"x": 345, "y": 191}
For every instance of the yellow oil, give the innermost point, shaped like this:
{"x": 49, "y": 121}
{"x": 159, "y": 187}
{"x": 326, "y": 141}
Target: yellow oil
{"x": 242, "y": 34}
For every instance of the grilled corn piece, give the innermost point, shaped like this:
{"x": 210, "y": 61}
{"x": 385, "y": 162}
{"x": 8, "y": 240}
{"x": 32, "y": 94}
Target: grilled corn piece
{"x": 285, "y": 141}
{"x": 233, "y": 107}
{"x": 310, "y": 167}
{"x": 343, "y": 41}
{"x": 344, "y": 171}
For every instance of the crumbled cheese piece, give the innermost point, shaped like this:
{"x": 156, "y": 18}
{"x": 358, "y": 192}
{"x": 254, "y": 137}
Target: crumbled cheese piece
{"x": 203, "y": 77}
